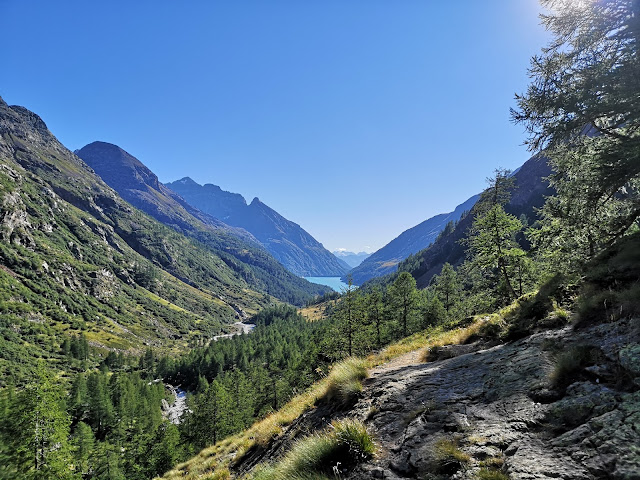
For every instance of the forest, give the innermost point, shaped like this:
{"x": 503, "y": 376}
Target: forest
{"x": 103, "y": 419}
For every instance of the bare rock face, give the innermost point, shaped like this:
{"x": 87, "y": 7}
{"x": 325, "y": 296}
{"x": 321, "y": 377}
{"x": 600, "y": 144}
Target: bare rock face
{"x": 497, "y": 409}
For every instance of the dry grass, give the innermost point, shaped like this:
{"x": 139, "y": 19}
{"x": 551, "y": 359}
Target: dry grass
{"x": 342, "y": 382}
{"x": 491, "y": 474}
{"x": 345, "y": 444}
{"x": 316, "y": 312}
{"x": 481, "y": 326}
{"x": 220, "y": 456}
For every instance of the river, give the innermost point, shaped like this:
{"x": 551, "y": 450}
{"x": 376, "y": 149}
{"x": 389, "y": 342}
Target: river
{"x": 173, "y": 411}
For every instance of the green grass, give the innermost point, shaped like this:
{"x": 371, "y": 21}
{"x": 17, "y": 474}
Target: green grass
{"x": 342, "y": 446}
{"x": 345, "y": 380}
{"x": 491, "y": 474}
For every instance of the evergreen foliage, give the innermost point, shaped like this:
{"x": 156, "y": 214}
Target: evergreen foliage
{"x": 582, "y": 109}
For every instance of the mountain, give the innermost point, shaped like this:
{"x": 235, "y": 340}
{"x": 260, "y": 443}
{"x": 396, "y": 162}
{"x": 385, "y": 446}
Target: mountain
{"x": 351, "y": 259}
{"x": 529, "y": 194}
{"x": 285, "y": 240}
{"x": 140, "y": 187}
{"x": 386, "y": 260}
{"x": 75, "y": 258}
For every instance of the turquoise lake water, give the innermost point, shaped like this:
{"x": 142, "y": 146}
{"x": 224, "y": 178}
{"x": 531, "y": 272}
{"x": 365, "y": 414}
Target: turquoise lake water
{"x": 333, "y": 282}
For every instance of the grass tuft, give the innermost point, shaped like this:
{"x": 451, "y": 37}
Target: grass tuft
{"x": 449, "y": 457}
{"x": 491, "y": 474}
{"x": 570, "y": 363}
{"x": 344, "y": 382}
{"x": 320, "y": 456}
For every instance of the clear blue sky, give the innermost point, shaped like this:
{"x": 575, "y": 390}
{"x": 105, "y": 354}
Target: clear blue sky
{"x": 355, "y": 119}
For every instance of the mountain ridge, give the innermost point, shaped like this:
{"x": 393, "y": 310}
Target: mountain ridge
{"x": 286, "y": 240}
{"x": 385, "y": 260}
{"x": 75, "y": 258}
{"x": 529, "y": 194}
{"x": 140, "y": 186}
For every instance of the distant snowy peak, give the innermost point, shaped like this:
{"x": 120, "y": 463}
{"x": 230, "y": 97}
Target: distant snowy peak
{"x": 350, "y": 258}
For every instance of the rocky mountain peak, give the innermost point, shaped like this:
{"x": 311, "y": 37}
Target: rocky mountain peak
{"x": 188, "y": 181}
{"x": 117, "y": 167}
{"x": 30, "y": 118}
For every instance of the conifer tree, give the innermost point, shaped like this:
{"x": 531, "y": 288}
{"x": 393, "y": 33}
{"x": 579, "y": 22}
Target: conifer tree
{"x": 582, "y": 111}
{"x": 211, "y": 415}
{"x": 38, "y": 429}
{"x": 375, "y": 313}
{"x": 447, "y": 285}
{"x": 492, "y": 245}
{"x": 403, "y": 296}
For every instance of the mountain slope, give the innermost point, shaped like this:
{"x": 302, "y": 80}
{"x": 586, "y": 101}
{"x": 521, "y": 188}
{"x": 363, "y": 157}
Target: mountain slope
{"x": 290, "y": 244}
{"x": 386, "y": 260}
{"x": 529, "y": 194}
{"x": 76, "y": 258}
{"x": 140, "y": 187}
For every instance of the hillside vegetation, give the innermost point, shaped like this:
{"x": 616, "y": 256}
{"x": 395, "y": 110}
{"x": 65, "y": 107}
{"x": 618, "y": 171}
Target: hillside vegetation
{"x": 239, "y": 249}
{"x": 519, "y": 358}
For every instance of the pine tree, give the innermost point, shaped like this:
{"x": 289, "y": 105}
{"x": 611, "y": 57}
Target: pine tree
{"x": 83, "y": 442}
{"x": 211, "y": 415}
{"x": 433, "y": 312}
{"x": 375, "y": 313}
{"x": 447, "y": 285}
{"x": 492, "y": 245}
{"x": 347, "y": 314}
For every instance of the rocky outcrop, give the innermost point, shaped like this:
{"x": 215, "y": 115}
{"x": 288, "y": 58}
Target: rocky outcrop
{"x": 494, "y": 410}
{"x": 498, "y": 407}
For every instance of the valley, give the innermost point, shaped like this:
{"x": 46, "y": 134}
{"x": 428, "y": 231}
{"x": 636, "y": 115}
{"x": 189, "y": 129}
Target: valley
{"x": 175, "y": 330}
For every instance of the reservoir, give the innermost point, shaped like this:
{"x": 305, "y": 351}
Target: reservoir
{"x": 333, "y": 282}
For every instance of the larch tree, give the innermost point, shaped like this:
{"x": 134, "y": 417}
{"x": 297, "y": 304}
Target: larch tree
{"x": 447, "y": 285}
{"x": 491, "y": 241}
{"x": 403, "y": 296}
{"x": 582, "y": 111}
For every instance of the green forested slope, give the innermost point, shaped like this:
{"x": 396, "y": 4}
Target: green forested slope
{"x": 74, "y": 257}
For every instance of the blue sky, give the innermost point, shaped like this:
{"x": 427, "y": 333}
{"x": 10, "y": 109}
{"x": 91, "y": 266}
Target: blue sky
{"x": 355, "y": 119}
